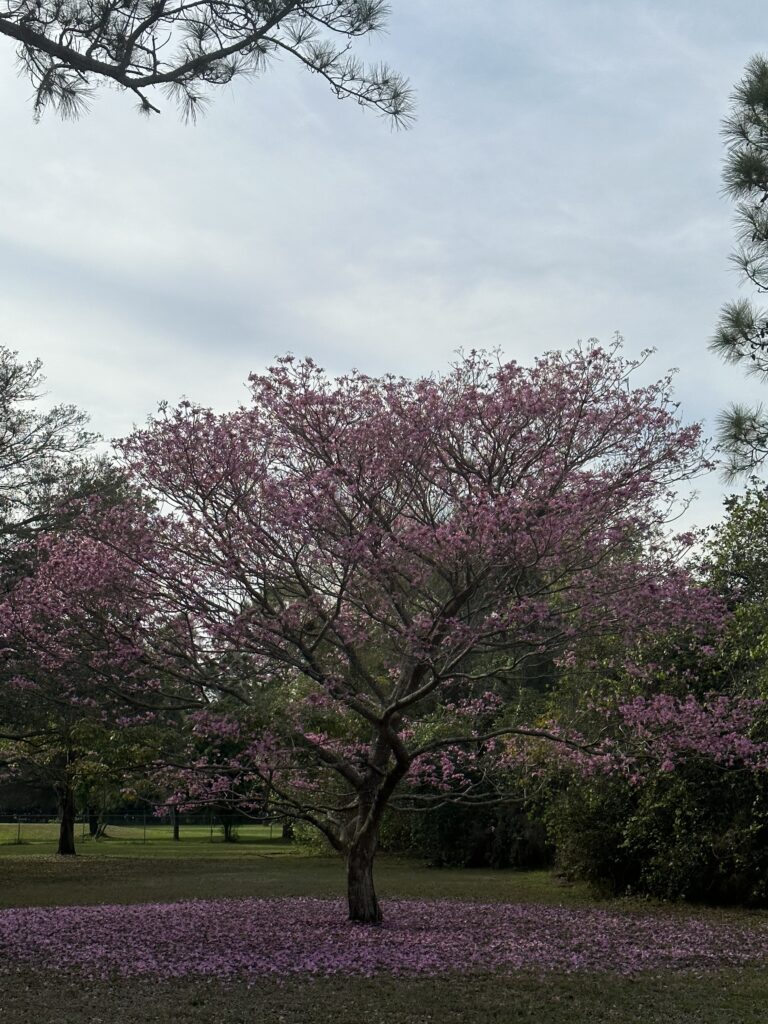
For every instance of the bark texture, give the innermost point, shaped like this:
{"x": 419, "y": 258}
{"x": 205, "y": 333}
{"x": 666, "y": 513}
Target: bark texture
{"x": 363, "y": 905}
{"x": 66, "y": 846}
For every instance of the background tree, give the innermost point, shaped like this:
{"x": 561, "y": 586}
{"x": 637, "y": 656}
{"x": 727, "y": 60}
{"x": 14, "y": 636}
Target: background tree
{"x": 86, "y": 761}
{"x": 45, "y": 459}
{"x": 184, "y": 49}
{"x": 48, "y": 476}
{"x": 686, "y": 816}
{"x": 63, "y": 717}
{"x": 742, "y": 331}
{"x": 205, "y": 766}
{"x": 735, "y": 565}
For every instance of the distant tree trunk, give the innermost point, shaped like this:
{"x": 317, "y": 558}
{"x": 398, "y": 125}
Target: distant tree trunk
{"x": 228, "y": 825}
{"x": 287, "y": 831}
{"x": 175, "y": 822}
{"x": 93, "y": 822}
{"x": 361, "y": 895}
{"x": 66, "y": 821}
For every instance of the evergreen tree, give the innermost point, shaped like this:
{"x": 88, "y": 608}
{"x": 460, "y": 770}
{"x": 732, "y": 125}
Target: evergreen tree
{"x": 742, "y": 330}
{"x": 69, "y": 47}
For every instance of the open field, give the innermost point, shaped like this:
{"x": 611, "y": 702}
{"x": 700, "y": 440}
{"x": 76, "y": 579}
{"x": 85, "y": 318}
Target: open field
{"x": 23, "y": 835}
{"x": 113, "y": 872}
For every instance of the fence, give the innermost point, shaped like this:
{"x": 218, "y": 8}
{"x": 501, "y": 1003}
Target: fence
{"x": 141, "y": 828}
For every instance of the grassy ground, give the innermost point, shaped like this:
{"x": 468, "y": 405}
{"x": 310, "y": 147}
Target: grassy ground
{"x": 41, "y": 837}
{"x": 119, "y": 871}
{"x": 272, "y": 870}
{"x": 574, "y": 999}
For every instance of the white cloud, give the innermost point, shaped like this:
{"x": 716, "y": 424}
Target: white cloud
{"x": 561, "y": 182}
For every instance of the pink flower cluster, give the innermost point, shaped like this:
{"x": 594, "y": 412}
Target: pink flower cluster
{"x": 210, "y": 725}
{"x": 651, "y": 734}
{"x": 473, "y": 707}
{"x": 249, "y": 938}
{"x": 718, "y": 728}
{"x": 449, "y": 770}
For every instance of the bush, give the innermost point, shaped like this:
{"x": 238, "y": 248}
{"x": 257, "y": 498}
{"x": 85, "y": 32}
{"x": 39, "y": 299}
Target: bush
{"x": 698, "y": 833}
{"x": 585, "y": 824}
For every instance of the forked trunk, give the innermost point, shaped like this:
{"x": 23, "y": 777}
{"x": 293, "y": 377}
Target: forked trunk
{"x": 363, "y": 905}
{"x": 66, "y": 821}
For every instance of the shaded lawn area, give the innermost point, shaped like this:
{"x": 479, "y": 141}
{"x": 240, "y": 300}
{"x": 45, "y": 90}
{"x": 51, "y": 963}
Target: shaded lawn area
{"x": 719, "y": 998}
{"x": 104, "y": 874}
{"x": 112, "y": 873}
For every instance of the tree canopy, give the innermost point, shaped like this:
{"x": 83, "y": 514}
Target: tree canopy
{"x": 68, "y": 48}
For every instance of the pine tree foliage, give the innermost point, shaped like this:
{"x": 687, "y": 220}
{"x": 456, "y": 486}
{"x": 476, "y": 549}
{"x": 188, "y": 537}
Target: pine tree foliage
{"x": 42, "y": 454}
{"x": 741, "y": 336}
{"x": 184, "y": 48}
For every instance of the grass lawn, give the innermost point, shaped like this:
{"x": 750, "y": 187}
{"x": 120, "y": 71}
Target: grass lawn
{"x": 41, "y": 837}
{"x": 119, "y": 871}
{"x": 574, "y": 999}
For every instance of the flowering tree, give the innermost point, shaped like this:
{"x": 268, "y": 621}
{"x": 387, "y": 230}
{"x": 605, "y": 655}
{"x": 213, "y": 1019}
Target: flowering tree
{"x": 69, "y": 669}
{"x": 376, "y": 556}
{"x": 47, "y": 465}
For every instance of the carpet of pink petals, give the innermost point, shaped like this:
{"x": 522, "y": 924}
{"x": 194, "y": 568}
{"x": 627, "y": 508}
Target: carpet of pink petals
{"x": 250, "y": 938}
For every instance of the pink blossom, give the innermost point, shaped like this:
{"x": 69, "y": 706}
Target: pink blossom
{"x": 251, "y": 938}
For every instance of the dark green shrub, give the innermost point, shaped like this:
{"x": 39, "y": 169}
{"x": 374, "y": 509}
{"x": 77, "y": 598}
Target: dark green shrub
{"x": 585, "y": 823}
{"x": 698, "y": 833}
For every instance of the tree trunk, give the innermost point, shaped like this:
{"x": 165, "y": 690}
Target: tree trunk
{"x": 93, "y": 822}
{"x": 229, "y": 827}
{"x": 287, "y": 834}
{"x": 363, "y": 905}
{"x": 175, "y": 821}
{"x": 67, "y": 821}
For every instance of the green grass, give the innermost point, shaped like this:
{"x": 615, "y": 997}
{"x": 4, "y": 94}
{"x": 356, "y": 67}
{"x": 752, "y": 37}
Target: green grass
{"x": 575, "y": 999}
{"x": 117, "y": 875}
{"x": 121, "y": 870}
{"x": 44, "y": 835}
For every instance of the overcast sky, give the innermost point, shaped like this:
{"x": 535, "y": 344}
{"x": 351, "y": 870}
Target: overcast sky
{"x": 562, "y": 181}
